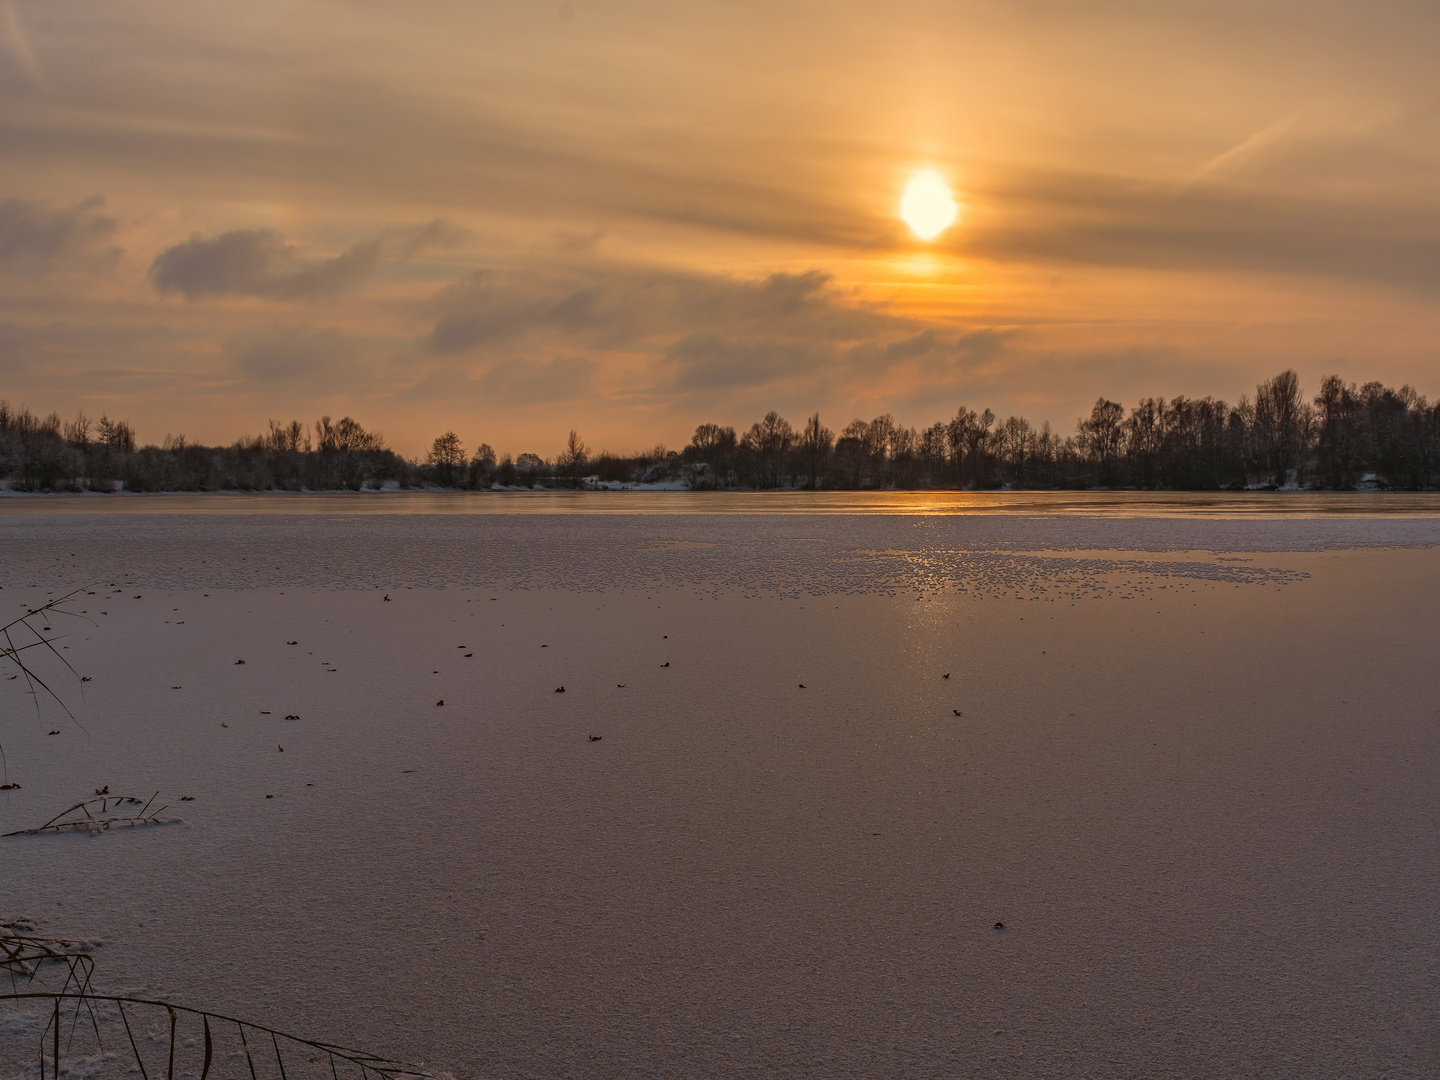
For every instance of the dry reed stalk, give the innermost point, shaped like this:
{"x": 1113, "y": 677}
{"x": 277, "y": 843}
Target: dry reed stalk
{"x": 171, "y": 1031}
{"x": 10, "y": 651}
{"x": 91, "y": 823}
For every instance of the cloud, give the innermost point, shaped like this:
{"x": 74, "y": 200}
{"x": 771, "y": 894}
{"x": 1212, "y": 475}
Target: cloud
{"x": 65, "y": 352}
{"x": 292, "y": 356}
{"x": 1093, "y": 220}
{"x": 619, "y": 307}
{"x": 535, "y": 382}
{"x": 573, "y": 243}
{"x": 672, "y": 336}
{"x": 438, "y": 232}
{"x": 258, "y": 262}
{"x": 1238, "y": 154}
{"x": 709, "y": 361}
{"x": 17, "y": 41}
{"x": 712, "y": 361}
{"x": 930, "y": 353}
{"x": 35, "y": 238}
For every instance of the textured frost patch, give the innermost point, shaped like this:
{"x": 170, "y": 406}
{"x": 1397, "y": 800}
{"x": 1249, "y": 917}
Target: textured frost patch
{"x": 754, "y": 554}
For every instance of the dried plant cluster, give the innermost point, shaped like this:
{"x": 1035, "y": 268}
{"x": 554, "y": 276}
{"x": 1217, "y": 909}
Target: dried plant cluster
{"x": 64, "y": 1025}
{"x": 22, "y": 639}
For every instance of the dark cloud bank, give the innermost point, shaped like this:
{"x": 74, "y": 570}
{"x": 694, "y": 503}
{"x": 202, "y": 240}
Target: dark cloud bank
{"x": 259, "y": 262}
{"x": 707, "y": 332}
{"x": 37, "y": 238}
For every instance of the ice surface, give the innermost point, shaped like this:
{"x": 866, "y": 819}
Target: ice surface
{"x": 784, "y": 554}
{"x": 1193, "y": 776}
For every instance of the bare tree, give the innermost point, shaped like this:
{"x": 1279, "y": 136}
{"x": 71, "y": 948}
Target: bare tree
{"x": 78, "y": 430}
{"x": 767, "y": 444}
{"x": 712, "y": 450}
{"x": 529, "y": 468}
{"x": 346, "y": 437}
{"x": 574, "y": 457}
{"x": 933, "y": 443}
{"x": 116, "y": 434}
{"x": 1046, "y": 452}
{"x": 446, "y": 458}
{"x": 903, "y": 451}
{"x": 287, "y": 438}
{"x": 969, "y": 437}
{"x": 879, "y": 436}
{"x": 853, "y": 450}
{"x": 815, "y": 443}
{"x": 1102, "y": 435}
{"x": 1280, "y": 417}
{"x": 1146, "y": 430}
{"x": 1016, "y": 439}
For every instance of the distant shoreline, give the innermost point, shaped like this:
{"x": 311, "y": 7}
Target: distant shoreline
{"x": 661, "y": 503}
{"x": 663, "y": 489}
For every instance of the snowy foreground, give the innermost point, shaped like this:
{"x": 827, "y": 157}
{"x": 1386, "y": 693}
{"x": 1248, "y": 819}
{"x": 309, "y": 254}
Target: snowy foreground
{"x": 1190, "y": 766}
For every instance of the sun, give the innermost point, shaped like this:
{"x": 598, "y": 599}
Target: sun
{"x": 927, "y": 205}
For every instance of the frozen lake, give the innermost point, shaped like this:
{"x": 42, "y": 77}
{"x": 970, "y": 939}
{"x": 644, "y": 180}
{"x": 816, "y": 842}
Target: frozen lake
{"x": 1187, "y": 757}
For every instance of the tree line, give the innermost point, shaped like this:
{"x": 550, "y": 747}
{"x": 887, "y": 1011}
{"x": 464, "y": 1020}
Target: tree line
{"x": 50, "y": 455}
{"x": 1347, "y": 436}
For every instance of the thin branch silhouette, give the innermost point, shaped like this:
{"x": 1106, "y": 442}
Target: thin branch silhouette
{"x": 28, "y": 959}
{"x": 15, "y": 654}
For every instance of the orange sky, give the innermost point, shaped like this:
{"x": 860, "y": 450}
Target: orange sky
{"x": 514, "y": 219}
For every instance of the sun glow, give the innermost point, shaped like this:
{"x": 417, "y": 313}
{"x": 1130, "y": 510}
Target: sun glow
{"x": 927, "y": 205}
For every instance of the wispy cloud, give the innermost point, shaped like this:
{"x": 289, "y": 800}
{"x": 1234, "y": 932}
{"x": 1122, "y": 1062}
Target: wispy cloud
{"x": 35, "y": 237}
{"x": 1247, "y": 148}
{"x": 441, "y": 233}
{"x": 258, "y": 262}
{"x": 284, "y": 358}
{"x": 1096, "y": 220}
{"x": 615, "y": 306}
{"x": 17, "y": 42}
{"x": 538, "y": 382}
